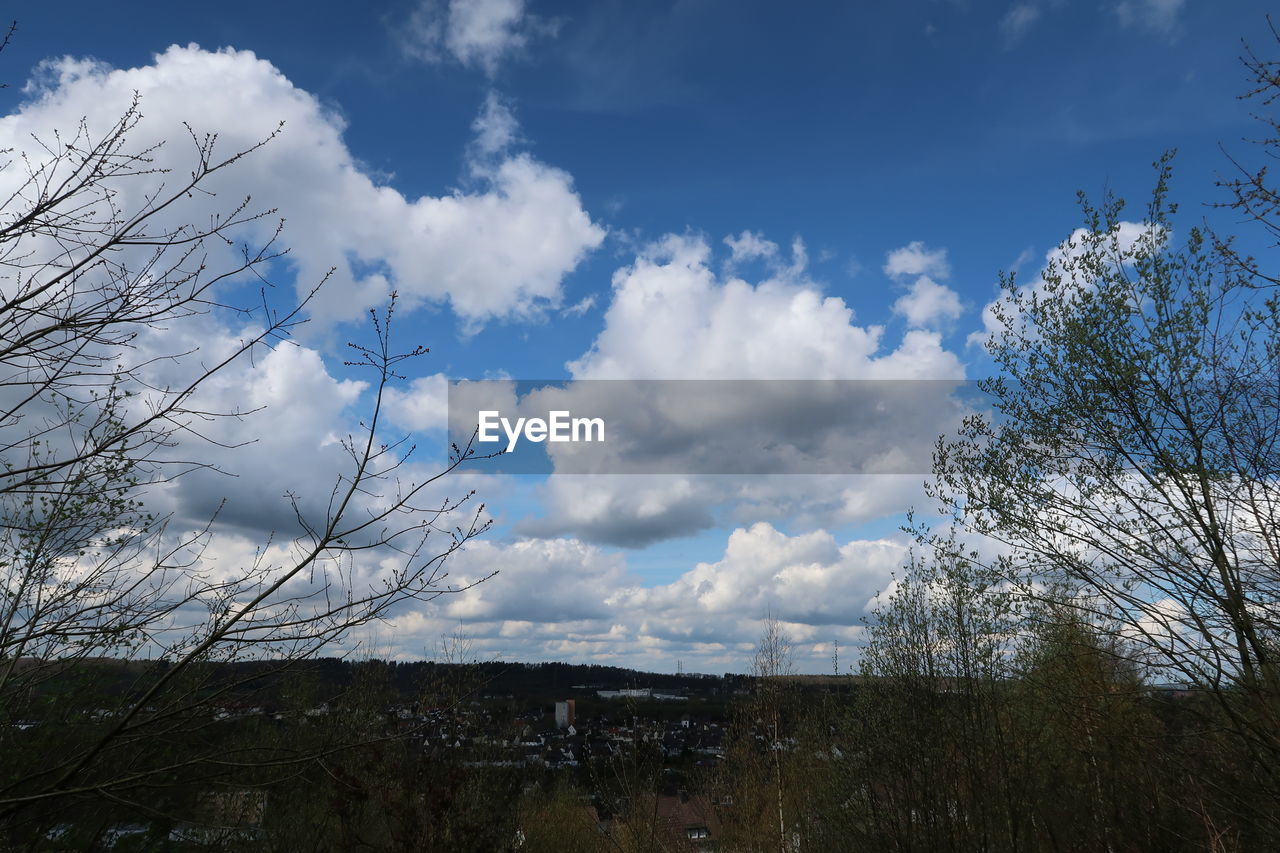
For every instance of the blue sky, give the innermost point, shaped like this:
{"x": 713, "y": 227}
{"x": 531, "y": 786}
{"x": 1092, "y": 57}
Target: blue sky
{"x": 527, "y": 170}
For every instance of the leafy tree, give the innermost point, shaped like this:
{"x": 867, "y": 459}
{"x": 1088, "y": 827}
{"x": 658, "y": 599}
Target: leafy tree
{"x": 1132, "y": 455}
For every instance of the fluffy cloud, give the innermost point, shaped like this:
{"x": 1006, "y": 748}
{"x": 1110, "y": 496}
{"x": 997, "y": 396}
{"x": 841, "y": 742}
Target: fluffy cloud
{"x": 636, "y": 510}
{"x": 916, "y": 258}
{"x": 673, "y": 316}
{"x": 626, "y": 510}
{"x": 496, "y": 251}
{"x": 561, "y": 598}
{"x": 476, "y": 33}
{"x": 268, "y": 438}
{"x": 294, "y": 416}
{"x": 271, "y": 434}
{"x": 807, "y": 579}
{"x": 749, "y": 246}
{"x": 558, "y": 580}
{"x": 926, "y": 302}
{"x": 422, "y": 406}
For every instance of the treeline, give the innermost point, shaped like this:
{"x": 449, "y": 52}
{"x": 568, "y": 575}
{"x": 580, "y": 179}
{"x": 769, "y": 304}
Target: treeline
{"x": 975, "y": 737}
{"x": 973, "y": 723}
{"x": 109, "y": 682}
{"x": 976, "y": 721}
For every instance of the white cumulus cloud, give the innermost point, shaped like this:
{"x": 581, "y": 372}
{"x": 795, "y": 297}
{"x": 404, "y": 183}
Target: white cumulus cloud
{"x": 926, "y": 303}
{"x": 561, "y": 598}
{"x": 673, "y": 316}
{"x": 916, "y": 258}
{"x": 498, "y": 250}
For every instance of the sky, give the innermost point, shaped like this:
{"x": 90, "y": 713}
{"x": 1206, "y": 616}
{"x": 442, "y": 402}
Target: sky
{"x": 699, "y": 189}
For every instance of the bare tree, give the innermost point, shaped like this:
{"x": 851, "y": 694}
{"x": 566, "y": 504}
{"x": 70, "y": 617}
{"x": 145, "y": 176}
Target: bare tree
{"x": 773, "y": 666}
{"x": 91, "y": 261}
{"x": 1252, "y": 189}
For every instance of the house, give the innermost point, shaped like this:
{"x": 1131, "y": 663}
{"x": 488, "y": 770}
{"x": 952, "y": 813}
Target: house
{"x": 679, "y": 822}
